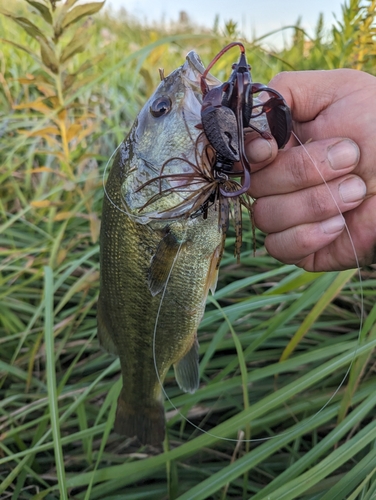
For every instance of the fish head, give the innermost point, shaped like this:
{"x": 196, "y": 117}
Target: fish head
{"x": 167, "y": 123}
{"x": 164, "y": 142}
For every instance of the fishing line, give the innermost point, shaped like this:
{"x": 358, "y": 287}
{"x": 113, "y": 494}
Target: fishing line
{"x": 135, "y": 217}
{"x": 104, "y": 185}
{"x": 352, "y": 360}
{"x": 132, "y": 216}
{"x": 358, "y": 272}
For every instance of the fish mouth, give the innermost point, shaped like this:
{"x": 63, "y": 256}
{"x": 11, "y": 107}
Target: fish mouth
{"x": 193, "y": 69}
{"x": 191, "y": 74}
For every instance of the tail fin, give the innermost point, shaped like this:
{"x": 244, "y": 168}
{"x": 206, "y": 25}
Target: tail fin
{"x": 147, "y": 422}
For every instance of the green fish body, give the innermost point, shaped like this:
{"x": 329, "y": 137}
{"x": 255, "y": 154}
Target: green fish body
{"x": 157, "y": 266}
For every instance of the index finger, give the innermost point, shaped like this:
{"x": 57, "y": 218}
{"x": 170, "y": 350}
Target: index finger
{"x": 334, "y": 103}
{"x": 310, "y": 92}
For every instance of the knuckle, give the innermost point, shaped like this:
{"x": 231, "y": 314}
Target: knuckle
{"x": 279, "y": 79}
{"x": 288, "y": 246}
{"x": 298, "y": 172}
{"x": 302, "y": 240}
{"x": 283, "y": 84}
{"x": 318, "y": 205}
{"x": 273, "y": 249}
{"x": 260, "y": 215}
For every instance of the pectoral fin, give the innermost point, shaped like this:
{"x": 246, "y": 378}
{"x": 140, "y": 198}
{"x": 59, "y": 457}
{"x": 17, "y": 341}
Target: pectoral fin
{"x": 186, "y": 370}
{"x": 162, "y": 262}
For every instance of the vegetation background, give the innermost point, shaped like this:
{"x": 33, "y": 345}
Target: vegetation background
{"x": 286, "y": 356}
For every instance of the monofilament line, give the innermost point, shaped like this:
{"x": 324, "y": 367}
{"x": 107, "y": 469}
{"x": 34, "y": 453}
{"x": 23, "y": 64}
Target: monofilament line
{"x": 352, "y": 360}
{"x": 132, "y": 216}
{"x": 135, "y": 217}
{"x": 358, "y": 272}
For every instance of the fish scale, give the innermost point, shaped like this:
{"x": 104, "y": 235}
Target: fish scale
{"x": 155, "y": 273}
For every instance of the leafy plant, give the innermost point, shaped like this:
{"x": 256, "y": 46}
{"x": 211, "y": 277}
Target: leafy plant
{"x": 276, "y": 343}
{"x": 59, "y": 120}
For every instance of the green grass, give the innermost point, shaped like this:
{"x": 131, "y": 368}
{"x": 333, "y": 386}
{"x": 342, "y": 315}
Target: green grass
{"x": 285, "y": 359}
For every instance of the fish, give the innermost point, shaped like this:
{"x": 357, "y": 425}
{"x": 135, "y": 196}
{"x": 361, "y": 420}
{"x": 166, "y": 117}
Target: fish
{"x": 160, "y": 250}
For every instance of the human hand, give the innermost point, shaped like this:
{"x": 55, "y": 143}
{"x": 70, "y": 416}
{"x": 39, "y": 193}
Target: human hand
{"x": 336, "y": 111}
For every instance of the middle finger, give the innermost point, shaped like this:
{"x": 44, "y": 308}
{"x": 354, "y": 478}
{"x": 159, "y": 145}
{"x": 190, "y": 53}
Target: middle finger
{"x": 305, "y": 166}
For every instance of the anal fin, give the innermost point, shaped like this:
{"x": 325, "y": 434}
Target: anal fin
{"x": 187, "y": 370}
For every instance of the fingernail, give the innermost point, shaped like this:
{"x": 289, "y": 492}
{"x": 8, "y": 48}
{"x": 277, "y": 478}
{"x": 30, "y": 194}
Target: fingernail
{"x": 353, "y": 189}
{"x": 343, "y": 154}
{"x": 333, "y": 225}
{"x": 259, "y": 150}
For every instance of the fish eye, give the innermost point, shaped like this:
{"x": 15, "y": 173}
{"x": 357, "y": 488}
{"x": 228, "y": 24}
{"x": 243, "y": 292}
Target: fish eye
{"x": 161, "y": 106}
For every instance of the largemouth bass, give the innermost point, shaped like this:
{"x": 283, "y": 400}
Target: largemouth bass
{"x": 157, "y": 265}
